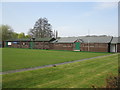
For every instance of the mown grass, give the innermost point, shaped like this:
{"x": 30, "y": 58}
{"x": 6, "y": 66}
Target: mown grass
{"x": 75, "y": 75}
{"x": 14, "y": 58}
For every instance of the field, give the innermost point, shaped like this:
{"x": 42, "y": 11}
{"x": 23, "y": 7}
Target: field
{"x": 75, "y": 75}
{"x": 14, "y": 58}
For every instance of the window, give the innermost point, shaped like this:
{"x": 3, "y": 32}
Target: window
{"x": 9, "y": 43}
{"x": 91, "y": 46}
{"x": 37, "y": 43}
{"x": 18, "y": 42}
{"x": 14, "y": 42}
{"x": 67, "y": 45}
{"x": 24, "y": 43}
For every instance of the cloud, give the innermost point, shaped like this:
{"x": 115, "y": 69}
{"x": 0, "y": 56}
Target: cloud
{"x": 106, "y": 5}
{"x": 100, "y": 6}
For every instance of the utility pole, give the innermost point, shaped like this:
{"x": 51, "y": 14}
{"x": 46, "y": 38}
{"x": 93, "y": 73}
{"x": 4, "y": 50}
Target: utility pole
{"x": 56, "y": 35}
{"x": 88, "y": 41}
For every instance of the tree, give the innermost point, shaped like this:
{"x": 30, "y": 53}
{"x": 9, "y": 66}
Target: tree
{"x": 6, "y": 32}
{"x": 27, "y": 36}
{"x": 21, "y": 35}
{"x": 15, "y": 35}
{"x": 41, "y": 29}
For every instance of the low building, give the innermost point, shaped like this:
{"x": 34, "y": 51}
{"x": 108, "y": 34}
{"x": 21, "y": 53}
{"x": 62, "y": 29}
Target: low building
{"x": 95, "y": 44}
{"x": 83, "y": 43}
{"x": 88, "y": 43}
{"x": 38, "y": 43}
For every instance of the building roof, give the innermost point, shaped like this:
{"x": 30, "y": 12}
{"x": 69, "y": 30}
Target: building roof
{"x": 44, "y": 39}
{"x": 85, "y": 39}
{"x": 116, "y": 40}
{"x": 30, "y": 39}
{"x": 67, "y": 40}
{"x": 90, "y": 39}
{"x": 23, "y": 39}
{"x": 97, "y": 39}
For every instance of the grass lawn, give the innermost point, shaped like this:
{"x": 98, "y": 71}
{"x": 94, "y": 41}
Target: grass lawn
{"x": 75, "y": 75}
{"x": 14, "y": 58}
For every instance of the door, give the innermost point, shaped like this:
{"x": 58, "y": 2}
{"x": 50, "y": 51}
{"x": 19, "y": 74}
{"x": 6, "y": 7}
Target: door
{"x": 31, "y": 45}
{"x": 77, "y": 45}
{"x": 6, "y": 44}
{"x": 112, "y": 48}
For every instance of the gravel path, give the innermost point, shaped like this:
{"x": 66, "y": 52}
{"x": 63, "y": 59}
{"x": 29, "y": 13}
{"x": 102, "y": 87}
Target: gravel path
{"x": 52, "y": 65}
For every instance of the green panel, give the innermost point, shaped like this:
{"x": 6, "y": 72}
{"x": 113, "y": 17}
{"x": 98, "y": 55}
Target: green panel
{"x": 6, "y": 44}
{"x": 31, "y": 45}
{"x": 77, "y": 45}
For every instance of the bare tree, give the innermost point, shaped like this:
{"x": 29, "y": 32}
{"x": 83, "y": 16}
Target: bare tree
{"x": 41, "y": 29}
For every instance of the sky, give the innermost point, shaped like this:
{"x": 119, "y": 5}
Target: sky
{"x": 68, "y": 18}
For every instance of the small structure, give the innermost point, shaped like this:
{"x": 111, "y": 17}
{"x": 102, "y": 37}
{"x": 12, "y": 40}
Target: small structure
{"x": 38, "y": 43}
{"x": 115, "y": 45}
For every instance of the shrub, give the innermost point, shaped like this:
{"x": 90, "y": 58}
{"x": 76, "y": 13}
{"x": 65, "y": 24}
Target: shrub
{"x": 112, "y": 81}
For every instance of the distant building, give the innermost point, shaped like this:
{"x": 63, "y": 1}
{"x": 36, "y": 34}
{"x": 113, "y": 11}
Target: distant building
{"x": 83, "y": 43}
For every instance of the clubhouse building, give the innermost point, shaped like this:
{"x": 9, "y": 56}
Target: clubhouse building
{"x": 83, "y": 43}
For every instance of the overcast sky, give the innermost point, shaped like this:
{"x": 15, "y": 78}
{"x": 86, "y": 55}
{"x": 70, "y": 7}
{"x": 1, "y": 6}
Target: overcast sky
{"x": 68, "y": 18}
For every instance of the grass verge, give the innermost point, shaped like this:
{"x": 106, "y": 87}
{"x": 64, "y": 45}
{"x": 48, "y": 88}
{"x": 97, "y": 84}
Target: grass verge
{"x": 82, "y": 74}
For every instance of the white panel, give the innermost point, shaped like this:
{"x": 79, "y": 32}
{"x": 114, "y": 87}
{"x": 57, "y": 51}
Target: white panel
{"x": 112, "y": 48}
{"x": 9, "y": 43}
